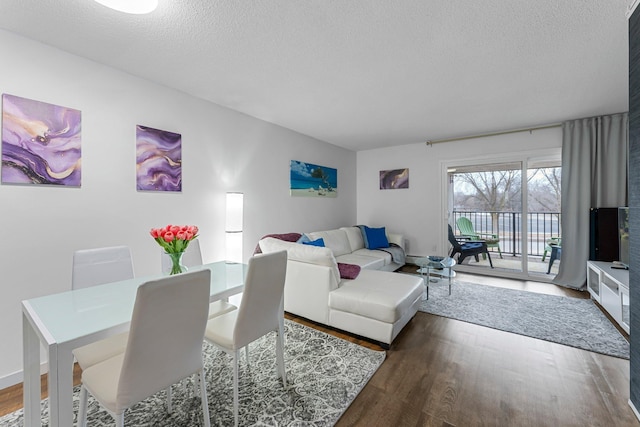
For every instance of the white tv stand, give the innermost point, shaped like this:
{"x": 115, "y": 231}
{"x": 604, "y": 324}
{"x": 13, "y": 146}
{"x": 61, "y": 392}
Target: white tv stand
{"x": 610, "y": 288}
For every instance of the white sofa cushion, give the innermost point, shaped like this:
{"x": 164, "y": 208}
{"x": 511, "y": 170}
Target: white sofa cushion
{"x": 385, "y": 257}
{"x": 303, "y": 253}
{"x": 336, "y": 240}
{"x": 354, "y": 234}
{"x": 379, "y": 295}
{"x": 367, "y": 262}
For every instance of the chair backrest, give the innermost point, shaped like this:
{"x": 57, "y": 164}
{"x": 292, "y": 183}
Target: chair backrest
{"x": 192, "y": 256}
{"x": 454, "y": 242}
{"x": 102, "y": 265}
{"x": 261, "y": 307}
{"x": 165, "y": 337}
{"x": 465, "y": 226}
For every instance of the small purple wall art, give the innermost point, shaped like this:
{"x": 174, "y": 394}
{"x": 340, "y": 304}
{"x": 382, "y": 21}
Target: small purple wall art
{"x": 40, "y": 143}
{"x": 158, "y": 160}
{"x": 392, "y": 179}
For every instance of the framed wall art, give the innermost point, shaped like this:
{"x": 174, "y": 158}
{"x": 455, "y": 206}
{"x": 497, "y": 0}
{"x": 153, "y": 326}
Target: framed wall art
{"x": 158, "y": 160}
{"x": 393, "y": 179}
{"x": 40, "y": 143}
{"x": 309, "y": 180}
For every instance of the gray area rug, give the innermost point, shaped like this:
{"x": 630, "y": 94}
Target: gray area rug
{"x": 324, "y": 375}
{"x": 570, "y": 321}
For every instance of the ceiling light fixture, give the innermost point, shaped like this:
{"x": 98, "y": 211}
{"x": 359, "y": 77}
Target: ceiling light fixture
{"x": 137, "y": 7}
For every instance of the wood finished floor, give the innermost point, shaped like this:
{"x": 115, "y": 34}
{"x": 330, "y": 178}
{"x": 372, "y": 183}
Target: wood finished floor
{"x": 443, "y": 372}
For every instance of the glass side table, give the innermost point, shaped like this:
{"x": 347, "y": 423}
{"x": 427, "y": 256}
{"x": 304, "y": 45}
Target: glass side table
{"x": 437, "y": 266}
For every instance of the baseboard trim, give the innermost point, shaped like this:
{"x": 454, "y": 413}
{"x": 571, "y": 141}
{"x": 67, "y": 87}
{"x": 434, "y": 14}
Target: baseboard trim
{"x": 412, "y": 259}
{"x": 18, "y": 377}
{"x": 11, "y": 380}
{"x": 635, "y": 411}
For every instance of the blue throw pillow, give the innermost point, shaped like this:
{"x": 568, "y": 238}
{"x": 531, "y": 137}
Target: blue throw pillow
{"x": 317, "y": 242}
{"x": 376, "y": 238}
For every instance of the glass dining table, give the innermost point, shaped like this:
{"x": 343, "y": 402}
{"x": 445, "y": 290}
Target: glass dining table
{"x": 64, "y": 321}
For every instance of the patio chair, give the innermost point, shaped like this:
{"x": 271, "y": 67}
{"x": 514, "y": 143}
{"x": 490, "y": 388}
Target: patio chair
{"x": 467, "y": 248}
{"x": 551, "y": 242}
{"x": 466, "y": 228}
{"x": 554, "y": 245}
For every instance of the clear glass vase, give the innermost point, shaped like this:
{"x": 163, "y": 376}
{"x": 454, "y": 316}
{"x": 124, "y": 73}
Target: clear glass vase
{"x": 176, "y": 263}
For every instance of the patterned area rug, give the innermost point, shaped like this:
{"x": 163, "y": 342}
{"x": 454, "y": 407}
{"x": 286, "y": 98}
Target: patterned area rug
{"x": 570, "y": 321}
{"x": 324, "y": 375}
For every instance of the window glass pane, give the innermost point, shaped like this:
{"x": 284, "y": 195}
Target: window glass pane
{"x": 490, "y": 197}
{"x": 544, "y": 208}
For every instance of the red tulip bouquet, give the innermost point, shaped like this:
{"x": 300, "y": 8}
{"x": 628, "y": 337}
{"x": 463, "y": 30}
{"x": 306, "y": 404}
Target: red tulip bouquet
{"x": 175, "y": 239}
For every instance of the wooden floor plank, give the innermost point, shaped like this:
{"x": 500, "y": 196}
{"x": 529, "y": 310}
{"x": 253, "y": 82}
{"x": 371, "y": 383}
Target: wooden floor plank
{"x": 469, "y": 375}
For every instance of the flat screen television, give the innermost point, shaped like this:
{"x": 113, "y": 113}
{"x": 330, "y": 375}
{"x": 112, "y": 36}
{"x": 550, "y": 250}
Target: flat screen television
{"x": 623, "y": 235}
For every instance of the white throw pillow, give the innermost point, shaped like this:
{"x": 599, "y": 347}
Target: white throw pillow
{"x": 336, "y": 240}
{"x": 354, "y": 234}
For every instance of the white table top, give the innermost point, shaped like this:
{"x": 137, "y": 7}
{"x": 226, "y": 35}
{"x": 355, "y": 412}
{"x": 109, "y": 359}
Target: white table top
{"x": 66, "y": 316}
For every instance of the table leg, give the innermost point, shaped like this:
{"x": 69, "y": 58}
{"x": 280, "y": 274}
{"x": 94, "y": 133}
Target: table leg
{"x": 60, "y": 386}
{"x": 426, "y": 282}
{"x": 31, "y": 372}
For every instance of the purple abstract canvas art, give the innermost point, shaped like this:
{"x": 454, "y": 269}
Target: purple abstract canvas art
{"x": 158, "y": 160}
{"x": 392, "y": 179}
{"x": 40, "y": 143}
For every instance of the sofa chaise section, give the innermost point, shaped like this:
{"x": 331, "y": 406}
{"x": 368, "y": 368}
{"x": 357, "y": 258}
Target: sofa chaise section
{"x": 376, "y": 304}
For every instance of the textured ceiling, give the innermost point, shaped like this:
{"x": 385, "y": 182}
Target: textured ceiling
{"x": 361, "y": 74}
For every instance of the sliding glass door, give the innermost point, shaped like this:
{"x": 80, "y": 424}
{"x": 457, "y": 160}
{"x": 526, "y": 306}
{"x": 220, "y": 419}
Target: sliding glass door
{"x": 487, "y": 205}
{"x": 512, "y": 205}
{"x": 544, "y": 214}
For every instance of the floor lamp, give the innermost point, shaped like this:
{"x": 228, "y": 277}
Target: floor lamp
{"x": 233, "y": 229}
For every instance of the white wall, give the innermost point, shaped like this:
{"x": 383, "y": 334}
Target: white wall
{"x": 222, "y": 151}
{"x": 419, "y": 212}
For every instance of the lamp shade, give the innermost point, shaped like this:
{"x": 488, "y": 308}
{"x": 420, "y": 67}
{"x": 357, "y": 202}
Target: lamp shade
{"x": 235, "y": 212}
{"x": 233, "y": 226}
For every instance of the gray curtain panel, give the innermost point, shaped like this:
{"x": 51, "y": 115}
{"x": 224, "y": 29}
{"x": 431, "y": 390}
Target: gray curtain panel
{"x": 594, "y": 174}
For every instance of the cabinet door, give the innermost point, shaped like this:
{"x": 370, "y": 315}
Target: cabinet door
{"x": 593, "y": 282}
{"x": 610, "y": 297}
{"x": 624, "y": 301}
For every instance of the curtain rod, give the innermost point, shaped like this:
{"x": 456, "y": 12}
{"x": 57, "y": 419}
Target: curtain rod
{"x": 504, "y": 132}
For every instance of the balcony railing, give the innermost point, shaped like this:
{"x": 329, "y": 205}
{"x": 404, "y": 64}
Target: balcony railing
{"x": 541, "y": 226}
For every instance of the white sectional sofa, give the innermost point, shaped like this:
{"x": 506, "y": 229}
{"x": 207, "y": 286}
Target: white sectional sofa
{"x": 348, "y": 247}
{"x": 376, "y": 304}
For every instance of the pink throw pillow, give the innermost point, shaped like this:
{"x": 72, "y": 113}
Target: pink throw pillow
{"x": 348, "y": 271}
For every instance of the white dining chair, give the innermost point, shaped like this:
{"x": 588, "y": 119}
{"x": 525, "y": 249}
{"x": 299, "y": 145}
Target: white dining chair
{"x": 192, "y": 258}
{"x": 93, "y": 267}
{"x": 164, "y": 346}
{"x": 101, "y": 265}
{"x": 260, "y": 312}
